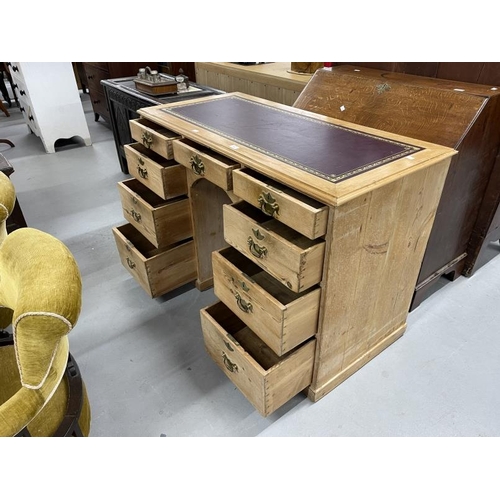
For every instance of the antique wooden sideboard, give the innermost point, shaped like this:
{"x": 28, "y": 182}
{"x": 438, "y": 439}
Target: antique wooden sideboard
{"x": 310, "y": 229}
{"x": 464, "y": 116}
{"x": 274, "y": 81}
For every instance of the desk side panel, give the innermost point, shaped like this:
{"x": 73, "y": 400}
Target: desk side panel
{"x": 375, "y": 247}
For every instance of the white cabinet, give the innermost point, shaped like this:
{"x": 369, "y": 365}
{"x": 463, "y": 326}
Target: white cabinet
{"x": 50, "y": 101}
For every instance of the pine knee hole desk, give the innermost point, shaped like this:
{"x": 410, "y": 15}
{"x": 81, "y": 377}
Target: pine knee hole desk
{"x": 310, "y": 229}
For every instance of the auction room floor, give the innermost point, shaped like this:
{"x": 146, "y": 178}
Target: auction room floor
{"x": 144, "y": 362}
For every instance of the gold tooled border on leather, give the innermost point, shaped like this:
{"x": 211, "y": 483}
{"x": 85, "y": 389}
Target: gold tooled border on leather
{"x": 408, "y": 149}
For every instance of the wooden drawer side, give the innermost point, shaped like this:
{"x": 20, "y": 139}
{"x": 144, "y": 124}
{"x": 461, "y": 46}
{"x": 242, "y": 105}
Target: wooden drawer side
{"x": 153, "y": 136}
{"x": 281, "y": 318}
{"x": 205, "y": 163}
{"x": 307, "y": 216}
{"x": 265, "y": 379}
{"x": 287, "y": 255}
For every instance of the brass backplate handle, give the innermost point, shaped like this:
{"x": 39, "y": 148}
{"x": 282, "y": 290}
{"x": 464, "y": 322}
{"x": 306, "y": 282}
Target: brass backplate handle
{"x": 197, "y": 165}
{"x": 130, "y": 263}
{"x": 268, "y": 204}
{"x": 135, "y": 215}
{"x": 232, "y": 367}
{"x": 255, "y": 249}
{"x": 143, "y": 172}
{"x": 246, "y": 307}
{"x": 147, "y": 139}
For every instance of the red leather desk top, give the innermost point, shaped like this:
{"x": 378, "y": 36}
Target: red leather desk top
{"x": 324, "y": 149}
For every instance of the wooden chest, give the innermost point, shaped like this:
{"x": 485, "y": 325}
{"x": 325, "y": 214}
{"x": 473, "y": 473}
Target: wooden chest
{"x": 464, "y": 116}
{"x": 312, "y": 231}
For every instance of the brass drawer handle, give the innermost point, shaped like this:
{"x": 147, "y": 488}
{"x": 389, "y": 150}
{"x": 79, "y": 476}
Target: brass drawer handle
{"x": 255, "y": 249}
{"x": 268, "y": 204}
{"x": 147, "y": 139}
{"x": 246, "y": 307}
{"x": 130, "y": 263}
{"x": 197, "y": 165}
{"x": 136, "y": 215}
{"x": 232, "y": 367}
{"x": 143, "y": 172}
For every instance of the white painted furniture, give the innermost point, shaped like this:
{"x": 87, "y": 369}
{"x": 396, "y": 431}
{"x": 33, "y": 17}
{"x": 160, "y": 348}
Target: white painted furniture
{"x": 50, "y": 101}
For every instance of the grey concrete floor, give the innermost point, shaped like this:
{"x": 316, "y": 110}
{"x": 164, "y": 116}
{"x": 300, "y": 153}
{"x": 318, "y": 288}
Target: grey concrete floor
{"x": 144, "y": 362}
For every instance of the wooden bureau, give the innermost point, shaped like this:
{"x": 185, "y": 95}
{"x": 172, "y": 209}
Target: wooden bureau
{"x": 311, "y": 231}
{"x": 464, "y": 116}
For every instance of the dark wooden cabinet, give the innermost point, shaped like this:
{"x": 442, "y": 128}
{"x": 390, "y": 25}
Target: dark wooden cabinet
{"x": 95, "y": 72}
{"x": 122, "y": 101}
{"x": 464, "y": 116}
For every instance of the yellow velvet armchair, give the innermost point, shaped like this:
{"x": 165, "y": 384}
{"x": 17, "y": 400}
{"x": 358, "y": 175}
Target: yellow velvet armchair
{"x": 41, "y": 390}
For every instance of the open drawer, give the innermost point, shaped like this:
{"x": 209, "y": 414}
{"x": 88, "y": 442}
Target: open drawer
{"x": 162, "y": 222}
{"x": 158, "y": 271}
{"x": 267, "y": 380}
{"x": 307, "y": 216}
{"x": 293, "y": 259}
{"x": 164, "y": 177}
{"x": 281, "y": 318}
{"x": 205, "y": 163}
{"x": 153, "y": 136}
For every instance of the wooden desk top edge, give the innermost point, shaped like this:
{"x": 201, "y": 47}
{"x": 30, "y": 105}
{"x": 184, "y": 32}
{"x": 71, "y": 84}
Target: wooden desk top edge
{"x": 323, "y": 190}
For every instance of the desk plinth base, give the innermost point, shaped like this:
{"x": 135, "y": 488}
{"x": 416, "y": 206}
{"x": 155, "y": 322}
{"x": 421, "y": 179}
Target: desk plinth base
{"x": 316, "y": 393}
